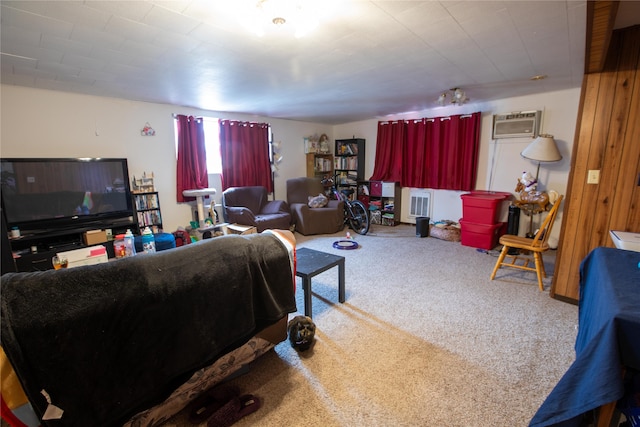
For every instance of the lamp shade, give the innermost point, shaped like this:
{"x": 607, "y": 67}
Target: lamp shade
{"x": 542, "y": 149}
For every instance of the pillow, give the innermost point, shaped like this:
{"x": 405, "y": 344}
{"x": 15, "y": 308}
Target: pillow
{"x": 318, "y": 201}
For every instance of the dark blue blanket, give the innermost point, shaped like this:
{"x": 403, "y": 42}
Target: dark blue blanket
{"x": 109, "y": 340}
{"x": 608, "y": 338}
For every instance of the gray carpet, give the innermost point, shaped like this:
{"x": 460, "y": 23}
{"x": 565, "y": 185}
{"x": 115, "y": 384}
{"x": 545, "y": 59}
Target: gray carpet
{"x": 423, "y": 339}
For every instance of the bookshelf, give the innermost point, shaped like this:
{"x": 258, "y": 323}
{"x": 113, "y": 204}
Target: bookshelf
{"x": 319, "y": 165}
{"x": 147, "y": 206}
{"x": 349, "y": 162}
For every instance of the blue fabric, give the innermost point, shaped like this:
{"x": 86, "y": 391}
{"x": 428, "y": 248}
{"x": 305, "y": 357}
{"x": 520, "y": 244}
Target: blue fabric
{"x": 608, "y": 337}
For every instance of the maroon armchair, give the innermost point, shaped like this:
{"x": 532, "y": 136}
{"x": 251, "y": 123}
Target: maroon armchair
{"x": 249, "y": 206}
{"x": 325, "y": 220}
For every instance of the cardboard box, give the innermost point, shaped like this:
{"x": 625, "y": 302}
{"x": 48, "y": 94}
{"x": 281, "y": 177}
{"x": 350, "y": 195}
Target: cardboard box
{"x": 241, "y": 229}
{"x": 85, "y": 256}
{"x": 93, "y": 237}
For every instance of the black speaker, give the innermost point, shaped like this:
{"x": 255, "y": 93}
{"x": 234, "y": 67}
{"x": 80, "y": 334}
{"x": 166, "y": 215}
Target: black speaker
{"x": 422, "y": 226}
{"x": 513, "y": 226}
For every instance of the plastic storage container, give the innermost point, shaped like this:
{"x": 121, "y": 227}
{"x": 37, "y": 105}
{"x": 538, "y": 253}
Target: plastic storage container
{"x": 482, "y": 236}
{"x": 483, "y": 207}
{"x": 148, "y": 241}
{"x": 382, "y": 189}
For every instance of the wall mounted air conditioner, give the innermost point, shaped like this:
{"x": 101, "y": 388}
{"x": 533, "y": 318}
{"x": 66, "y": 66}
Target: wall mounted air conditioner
{"x": 518, "y": 124}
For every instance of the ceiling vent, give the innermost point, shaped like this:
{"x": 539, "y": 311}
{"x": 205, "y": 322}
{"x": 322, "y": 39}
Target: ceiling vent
{"x": 519, "y": 124}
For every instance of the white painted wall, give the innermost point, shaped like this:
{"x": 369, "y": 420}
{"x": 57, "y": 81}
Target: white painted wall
{"x": 43, "y": 123}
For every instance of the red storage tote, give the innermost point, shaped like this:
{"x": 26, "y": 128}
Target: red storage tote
{"x": 483, "y": 207}
{"x": 483, "y": 236}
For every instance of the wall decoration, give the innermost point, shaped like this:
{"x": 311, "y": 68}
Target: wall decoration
{"x": 147, "y": 130}
{"x": 311, "y": 144}
{"x": 323, "y": 144}
{"x": 276, "y": 155}
{"x": 143, "y": 184}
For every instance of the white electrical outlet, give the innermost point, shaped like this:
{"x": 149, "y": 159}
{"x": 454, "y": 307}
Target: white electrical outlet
{"x": 593, "y": 177}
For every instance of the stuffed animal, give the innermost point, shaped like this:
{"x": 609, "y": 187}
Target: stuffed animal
{"x": 528, "y": 181}
{"x": 302, "y": 331}
{"x": 318, "y": 201}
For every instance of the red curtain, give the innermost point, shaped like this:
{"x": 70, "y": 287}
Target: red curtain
{"x": 244, "y": 149}
{"x": 439, "y": 153}
{"x": 389, "y": 153}
{"x": 192, "y": 157}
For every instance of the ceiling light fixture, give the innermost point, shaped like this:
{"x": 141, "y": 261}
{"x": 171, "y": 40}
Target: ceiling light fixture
{"x": 538, "y": 77}
{"x": 455, "y": 96}
{"x": 281, "y": 16}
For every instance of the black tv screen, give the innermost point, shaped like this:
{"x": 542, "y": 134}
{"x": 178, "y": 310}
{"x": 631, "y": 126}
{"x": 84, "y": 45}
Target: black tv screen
{"x": 45, "y": 194}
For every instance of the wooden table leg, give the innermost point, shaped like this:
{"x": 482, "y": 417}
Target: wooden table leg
{"x": 605, "y": 414}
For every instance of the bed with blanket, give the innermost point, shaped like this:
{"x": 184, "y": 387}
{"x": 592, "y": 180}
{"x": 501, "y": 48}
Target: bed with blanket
{"x": 132, "y": 341}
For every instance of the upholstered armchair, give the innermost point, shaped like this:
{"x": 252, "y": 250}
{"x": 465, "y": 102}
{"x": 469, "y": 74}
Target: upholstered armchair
{"x": 325, "y": 220}
{"x": 249, "y": 206}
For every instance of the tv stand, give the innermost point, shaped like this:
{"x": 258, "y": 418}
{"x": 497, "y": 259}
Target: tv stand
{"x": 68, "y": 246}
{"x": 33, "y": 252}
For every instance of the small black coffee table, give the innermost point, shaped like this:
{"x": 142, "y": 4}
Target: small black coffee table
{"x": 310, "y": 263}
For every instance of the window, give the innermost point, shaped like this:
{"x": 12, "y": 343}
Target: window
{"x": 211, "y": 141}
{"x": 212, "y": 144}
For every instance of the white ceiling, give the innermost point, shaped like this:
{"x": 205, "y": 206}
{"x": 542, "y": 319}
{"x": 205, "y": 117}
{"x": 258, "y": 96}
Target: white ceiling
{"x": 369, "y": 59}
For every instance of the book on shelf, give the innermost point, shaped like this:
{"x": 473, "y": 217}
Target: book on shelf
{"x": 348, "y": 149}
{"x": 323, "y": 164}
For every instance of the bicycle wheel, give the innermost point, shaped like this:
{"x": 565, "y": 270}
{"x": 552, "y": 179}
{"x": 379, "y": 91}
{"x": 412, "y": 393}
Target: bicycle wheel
{"x": 359, "y": 220}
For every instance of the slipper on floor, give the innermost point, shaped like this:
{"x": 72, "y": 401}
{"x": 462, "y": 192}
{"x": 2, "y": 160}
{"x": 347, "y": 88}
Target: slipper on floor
{"x": 209, "y": 402}
{"x": 235, "y": 409}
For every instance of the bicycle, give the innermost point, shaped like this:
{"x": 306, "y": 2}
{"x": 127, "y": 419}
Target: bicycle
{"x": 356, "y": 214}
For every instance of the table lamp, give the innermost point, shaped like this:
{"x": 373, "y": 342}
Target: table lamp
{"x": 542, "y": 149}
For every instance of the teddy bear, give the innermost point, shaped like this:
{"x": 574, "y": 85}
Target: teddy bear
{"x": 528, "y": 181}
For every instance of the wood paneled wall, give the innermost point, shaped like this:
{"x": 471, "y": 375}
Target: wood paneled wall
{"x": 608, "y": 139}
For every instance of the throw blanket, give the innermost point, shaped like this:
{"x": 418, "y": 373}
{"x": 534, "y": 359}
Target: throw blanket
{"x": 107, "y": 341}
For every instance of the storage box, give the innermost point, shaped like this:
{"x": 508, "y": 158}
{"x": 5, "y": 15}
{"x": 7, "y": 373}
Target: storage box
{"x": 85, "y": 256}
{"x": 482, "y": 236}
{"x": 483, "y": 207}
{"x": 241, "y": 229}
{"x": 94, "y": 237}
{"x": 383, "y": 189}
{"x": 626, "y": 240}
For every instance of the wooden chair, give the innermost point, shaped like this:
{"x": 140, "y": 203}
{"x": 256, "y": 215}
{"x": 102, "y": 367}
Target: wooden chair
{"x": 537, "y": 246}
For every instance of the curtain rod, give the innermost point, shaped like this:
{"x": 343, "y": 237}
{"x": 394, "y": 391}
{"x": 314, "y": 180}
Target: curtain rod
{"x": 175, "y": 116}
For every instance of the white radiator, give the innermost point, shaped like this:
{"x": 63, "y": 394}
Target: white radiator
{"x": 419, "y": 202}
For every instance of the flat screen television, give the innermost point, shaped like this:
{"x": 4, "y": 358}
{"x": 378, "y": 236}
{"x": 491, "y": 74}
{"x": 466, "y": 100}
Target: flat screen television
{"x": 45, "y": 195}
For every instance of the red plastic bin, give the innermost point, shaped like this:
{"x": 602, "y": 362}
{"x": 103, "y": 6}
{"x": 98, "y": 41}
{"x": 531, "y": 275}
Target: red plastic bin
{"x": 482, "y": 236}
{"x": 483, "y": 207}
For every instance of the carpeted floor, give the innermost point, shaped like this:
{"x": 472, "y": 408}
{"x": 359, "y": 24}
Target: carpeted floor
{"x": 423, "y": 339}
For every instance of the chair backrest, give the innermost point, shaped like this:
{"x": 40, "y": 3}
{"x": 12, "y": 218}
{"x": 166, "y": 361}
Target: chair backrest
{"x": 543, "y": 234}
{"x": 253, "y": 197}
{"x": 299, "y": 189}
